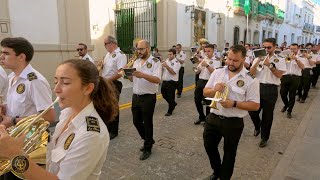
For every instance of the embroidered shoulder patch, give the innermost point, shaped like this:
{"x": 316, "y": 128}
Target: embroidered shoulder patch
{"x": 240, "y": 83}
{"x": 156, "y": 59}
{"x": 21, "y": 88}
{"x": 113, "y": 55}
{"x": 121, "y": 52}
{"x": 251, "y": 75}
{"x": 32, "y": 76}
{"x": 276, "y": 60}
{"x": 68, "y": 141}
{"x": 92, "y": 124}
{"x": 149, "y": 65}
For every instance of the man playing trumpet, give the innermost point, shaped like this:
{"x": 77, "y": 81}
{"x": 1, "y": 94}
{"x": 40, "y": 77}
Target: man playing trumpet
{"x": 269, "y": 76}
{"x": 227, "y": 120}
{"x": 204, "y": 69}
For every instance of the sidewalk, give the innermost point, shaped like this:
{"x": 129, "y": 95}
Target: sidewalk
{"x": 301, "y": 159}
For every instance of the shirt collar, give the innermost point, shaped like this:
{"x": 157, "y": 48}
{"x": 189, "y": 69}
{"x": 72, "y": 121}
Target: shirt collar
{"x": 28, "y": 69}
{"x": 241, "y": 73}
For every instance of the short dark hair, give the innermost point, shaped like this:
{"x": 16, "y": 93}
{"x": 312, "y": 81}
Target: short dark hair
{"x": 309, "y": 44}
{"x": 210, "y": 46}
{"x": 172, "y": 50}
{"x": 84, "y": 45}
{"x": 271, "y": 40}
{"x": 294, "y": 44}
{"x": 239, "y": 48}
{"x": 179, "y": 45}
{"x": 19, "y": 45}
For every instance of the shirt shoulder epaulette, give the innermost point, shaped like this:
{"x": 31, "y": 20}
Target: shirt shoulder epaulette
{"x": 156, "y": 59}
{"x": 92, "y": 124}
{"x": 121, "y": 52}
{"x": 251, "y": 75}
{"x": 32, "y": 76}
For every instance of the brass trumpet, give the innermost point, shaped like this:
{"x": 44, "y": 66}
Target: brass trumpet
{"x": 219, "y": 96}
{"x": 199, "y": 68}
{"x": 36, "y": 140}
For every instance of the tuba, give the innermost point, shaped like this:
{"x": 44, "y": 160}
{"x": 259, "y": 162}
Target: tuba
{"x": 219, "y": 96}
{"x": 34, "y": 127}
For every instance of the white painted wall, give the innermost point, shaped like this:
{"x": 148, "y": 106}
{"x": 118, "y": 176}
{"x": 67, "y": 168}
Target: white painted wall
{"x": 36, "y": 20}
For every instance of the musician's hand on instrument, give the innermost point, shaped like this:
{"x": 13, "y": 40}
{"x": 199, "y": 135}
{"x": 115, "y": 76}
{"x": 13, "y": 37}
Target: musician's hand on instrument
{"x": 204, "y": 63}
{"x": 138, "y": 74}
{"x": 6, "y": 121}
{"x": 226, "y": 103}
{"x": 164, "y": 64}
{"x": 13, "y": 146}
{"x": 219, "y": 87}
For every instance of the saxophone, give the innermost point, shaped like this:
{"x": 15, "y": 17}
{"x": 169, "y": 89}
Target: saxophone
{"x": 34, "y": 127}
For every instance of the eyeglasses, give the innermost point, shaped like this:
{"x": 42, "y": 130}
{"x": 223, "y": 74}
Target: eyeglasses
{"x": 268, "y": 47}
{"x": 79, "y": 49}
{"x": 140, "y": 49}
{"x": 106, "y": 43}
{"x": 308, "y": 48}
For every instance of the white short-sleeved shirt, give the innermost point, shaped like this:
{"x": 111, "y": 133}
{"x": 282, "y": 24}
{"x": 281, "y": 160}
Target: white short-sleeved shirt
{"x": 214, "y": 63}
{"x": 306, "y": 63}
{"x": 293, "y": 68}
{"x": 175, "y": 65}
{"x": 113, "y": 62}
{"x": 88, "y": 57}
{"x": 242, "y": 87}
{"x": 151, "y": 67}
{"x": 266, "y": 76}
{"x": 182, "y": 57}
{"x": 80, "y": 151}
{"x": 29, "y": 94}
{"x": 4, "y": 83}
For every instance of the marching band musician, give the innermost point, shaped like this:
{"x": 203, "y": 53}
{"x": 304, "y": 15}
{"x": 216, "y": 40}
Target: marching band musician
{"x": 201, "y": 54}
{"x": 269, "y": 78}
{"x": 181, "y": 57}
{"x": 83, "y": 52}
{"x": 170, "y": 79}
{"x": 316, "y": 70}
{"x": 227, "y": 120}
{"x": 205, "y": 68}
{"x": 290, "y": 80}
{"x": 80, "y": 142}
{"x": 305, "y": 82}
{"x": 28, "y": 92}
{"x": 114, "y": 62}
{"x": 146, "y": 81}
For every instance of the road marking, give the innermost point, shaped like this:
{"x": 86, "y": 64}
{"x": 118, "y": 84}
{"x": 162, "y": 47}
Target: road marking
{"x": 159, "y": 96}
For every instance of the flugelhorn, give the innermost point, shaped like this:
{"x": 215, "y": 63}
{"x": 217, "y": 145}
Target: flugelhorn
{"x": 34, "y": 127}
{"x": 219, "y": 96}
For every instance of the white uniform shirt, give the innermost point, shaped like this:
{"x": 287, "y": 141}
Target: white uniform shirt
{"x": 81, "y": 157}
{"x": 87, "y": 57}
{"x": 266, "y": 76}
{"x": 173, "y": 64}
{"x": 182, "y": 57}
{"x": 306, "y": 63}
{"x": 4, "y": 83}
{"x": 214, "y": 63}
{"x": 293, "y": 68}
{"x": 113, "y": 62}
{"x": 29, "y": 94}
{"x": 242, "y": 87}
{"x": 151, "y": 67}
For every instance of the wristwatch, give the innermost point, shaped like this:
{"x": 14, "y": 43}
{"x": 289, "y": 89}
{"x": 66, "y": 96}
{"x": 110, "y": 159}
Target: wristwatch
{"x": 20, "y": 164}
{"x": 272, "y": 67}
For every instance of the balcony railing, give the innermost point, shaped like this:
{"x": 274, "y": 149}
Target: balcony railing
{"x": 308, "y": 27}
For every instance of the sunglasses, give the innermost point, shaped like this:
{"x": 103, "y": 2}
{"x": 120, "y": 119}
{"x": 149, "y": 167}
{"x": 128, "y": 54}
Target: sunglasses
{"x": 107, "y": 43}
{"x": 268, "y": 47}
{"x": 79, "y": 49}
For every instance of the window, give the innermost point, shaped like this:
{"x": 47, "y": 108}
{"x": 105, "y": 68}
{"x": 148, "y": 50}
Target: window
{"x": 236, "y": 32}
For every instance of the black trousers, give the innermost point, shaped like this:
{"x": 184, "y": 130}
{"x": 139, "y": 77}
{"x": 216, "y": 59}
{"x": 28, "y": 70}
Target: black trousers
{"x": 198, "y": 97}
{"x": 9, "y": 176}
{"x": 180, "y": 81}
{"x": 230, "y": 129}
{"x": 289, "y": 87}
{"x": 196, "y": 78}
{"x": 268, "y": 99}
{"x": 113, "y": 126}
{"x": 305, "y": 83}
{"x": 142, "y": 112}
{"x": 168, "y": 89}
{"x": 315, "y": 75}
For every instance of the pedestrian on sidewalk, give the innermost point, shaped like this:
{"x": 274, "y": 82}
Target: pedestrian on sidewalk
{"x": 227, "y": 120}
{"x": 170, "y": 79}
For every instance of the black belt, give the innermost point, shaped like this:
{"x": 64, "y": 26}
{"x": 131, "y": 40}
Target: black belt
{"x": 143, "y": 95}
{"x": 291, "y": 75}
{"x": 170, "y": 81}
{"x": 204, "y": 79}
{"x": 268, "y": 85}
{"x": 224, "y": 117}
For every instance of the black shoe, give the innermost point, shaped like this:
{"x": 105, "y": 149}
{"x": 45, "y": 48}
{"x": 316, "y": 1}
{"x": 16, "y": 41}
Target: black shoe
{"x": 178, "y": 95}
{"x": 142, "y": 148}
{"x": 256, "y": 132}
{"x": 213, "y": 177}
{"x": 284, "y": 109}
{"x": 302, "y": 101}
{"x": 145, "y": 155}
{"x": 112, "y": 136}
{"x": 298, "y": 99}
{"x": 289, "y": 115}
{"x": 263, "y": 143}
{"x": 168, "y": 114}
{"x": 198, "y": 121}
